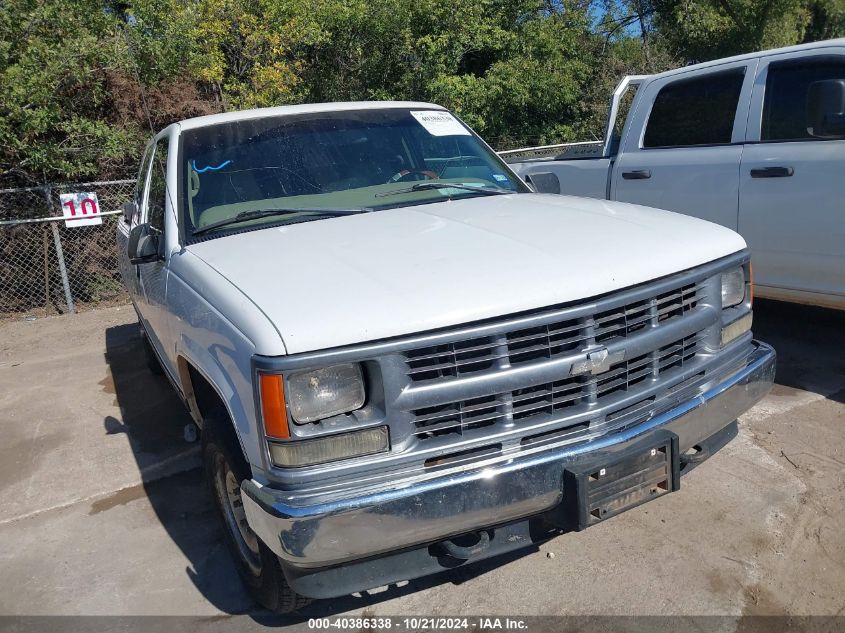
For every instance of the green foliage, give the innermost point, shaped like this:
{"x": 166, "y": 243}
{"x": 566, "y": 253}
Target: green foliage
{"x": 83, "y": 81}
{"x": 700, "y": 30}
{"x": 54, "y": 98}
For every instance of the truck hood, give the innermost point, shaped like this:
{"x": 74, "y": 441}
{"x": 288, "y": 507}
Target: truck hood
{"x": 358, "y": 278}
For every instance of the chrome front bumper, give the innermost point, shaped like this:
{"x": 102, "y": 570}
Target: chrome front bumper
{"x": 417, "y": 512}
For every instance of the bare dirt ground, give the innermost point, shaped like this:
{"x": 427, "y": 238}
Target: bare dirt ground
{"x": 103, "y": 511}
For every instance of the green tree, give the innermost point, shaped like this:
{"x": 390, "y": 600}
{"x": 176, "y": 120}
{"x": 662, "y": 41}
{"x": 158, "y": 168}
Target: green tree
{"x": 83, "y": 82}
{"x": 55, "y": 102}
{"x": 699, "y": 30}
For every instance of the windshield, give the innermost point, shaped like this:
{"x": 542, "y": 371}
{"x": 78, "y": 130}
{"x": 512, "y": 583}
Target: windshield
{"x": 292, "y": 166}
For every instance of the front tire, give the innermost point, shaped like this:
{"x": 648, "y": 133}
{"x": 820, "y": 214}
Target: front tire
{"x": 257, "y": 566}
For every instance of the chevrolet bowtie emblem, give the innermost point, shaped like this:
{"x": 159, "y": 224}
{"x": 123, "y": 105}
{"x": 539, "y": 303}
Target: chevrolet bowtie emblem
{"x": 597, "y": 361}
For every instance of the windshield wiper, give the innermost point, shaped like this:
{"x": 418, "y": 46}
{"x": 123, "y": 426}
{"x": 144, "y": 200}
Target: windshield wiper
{"x": 489, "y": 190}
{"x": 246, "y": 216}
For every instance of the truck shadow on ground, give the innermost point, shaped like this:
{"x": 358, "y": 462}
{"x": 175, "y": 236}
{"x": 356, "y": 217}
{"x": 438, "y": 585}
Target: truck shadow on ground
{"x": 153, "y": 418}
{"x": 809, "y": 342}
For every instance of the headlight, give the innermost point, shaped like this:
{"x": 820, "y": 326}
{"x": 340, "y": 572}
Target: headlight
{"x": 322, "y": 393}
{"x": 733, "y": 287}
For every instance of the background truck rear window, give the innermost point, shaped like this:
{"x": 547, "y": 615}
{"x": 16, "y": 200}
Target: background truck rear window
{"x": 697, "y": 111}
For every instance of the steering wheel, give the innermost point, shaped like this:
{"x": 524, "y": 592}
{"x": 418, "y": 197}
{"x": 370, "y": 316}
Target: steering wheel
{"x": 401, "y": 176}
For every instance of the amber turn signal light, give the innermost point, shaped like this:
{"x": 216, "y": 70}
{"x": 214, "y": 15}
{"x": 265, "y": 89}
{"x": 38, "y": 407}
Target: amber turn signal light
{"x": 273, "y": 406}
{"x": 751, "y": 283}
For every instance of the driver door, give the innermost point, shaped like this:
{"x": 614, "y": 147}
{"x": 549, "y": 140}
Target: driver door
{"x": 152, "y": 276}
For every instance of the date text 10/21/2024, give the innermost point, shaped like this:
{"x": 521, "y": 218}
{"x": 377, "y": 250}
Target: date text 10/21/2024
{"x": 420, "y": 623}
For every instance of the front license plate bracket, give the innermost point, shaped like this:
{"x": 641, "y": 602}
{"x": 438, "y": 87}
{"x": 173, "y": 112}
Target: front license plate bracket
{"x": 596, "y": 490}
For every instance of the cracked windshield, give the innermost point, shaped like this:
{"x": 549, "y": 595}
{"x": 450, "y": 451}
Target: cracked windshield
{"x": 255, "y": 173}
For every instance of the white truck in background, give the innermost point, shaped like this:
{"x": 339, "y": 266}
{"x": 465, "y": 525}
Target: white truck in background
{"x": 755, "y": 143}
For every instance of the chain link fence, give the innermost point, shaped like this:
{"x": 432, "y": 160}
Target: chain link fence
{"x": 48, "y": 268}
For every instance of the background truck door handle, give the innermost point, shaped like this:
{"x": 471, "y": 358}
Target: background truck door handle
{"x": 772, "y": 172}
{"x": 640, "y": 174}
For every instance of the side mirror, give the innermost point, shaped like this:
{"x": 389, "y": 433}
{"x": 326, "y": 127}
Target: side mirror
{"x": 130, "y": 209}
{"x": 826, "y": 108}
{"x": 543, "y": 182}
{"x": 143, "y": 245}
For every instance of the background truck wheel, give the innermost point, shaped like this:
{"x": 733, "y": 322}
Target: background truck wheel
{"x": 152, "y": 360}
{"x": 257, "y": 566}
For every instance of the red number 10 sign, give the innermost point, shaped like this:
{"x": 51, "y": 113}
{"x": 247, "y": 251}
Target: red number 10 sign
{"x": 80, "y": 209}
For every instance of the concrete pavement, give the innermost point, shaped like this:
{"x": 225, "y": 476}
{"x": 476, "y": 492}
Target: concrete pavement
{"x": 103, "y": 510}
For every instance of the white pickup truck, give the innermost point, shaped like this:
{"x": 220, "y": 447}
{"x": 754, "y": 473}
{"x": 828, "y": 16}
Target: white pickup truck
{"x": 755, "y": 143}
{"x": 402, "y": 360}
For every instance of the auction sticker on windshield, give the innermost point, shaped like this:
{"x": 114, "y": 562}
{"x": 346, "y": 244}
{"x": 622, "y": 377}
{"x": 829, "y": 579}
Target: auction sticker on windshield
{"x": 439, "y": 123}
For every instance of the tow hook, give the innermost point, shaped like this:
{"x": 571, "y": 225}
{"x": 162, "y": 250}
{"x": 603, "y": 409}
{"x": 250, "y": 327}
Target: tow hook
{"x": 465, "y": 546}
{"x": 695, "y": 455}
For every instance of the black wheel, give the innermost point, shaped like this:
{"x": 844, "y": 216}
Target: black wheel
{"x": 257, "y": 566}
{"x": 153, "y": 363}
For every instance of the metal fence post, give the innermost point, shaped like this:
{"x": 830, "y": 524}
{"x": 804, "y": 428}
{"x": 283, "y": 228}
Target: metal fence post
{"x": 45, "y": 242}
{"x": 59, "y": 253}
